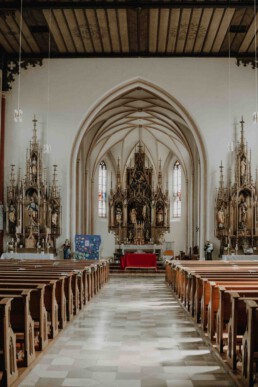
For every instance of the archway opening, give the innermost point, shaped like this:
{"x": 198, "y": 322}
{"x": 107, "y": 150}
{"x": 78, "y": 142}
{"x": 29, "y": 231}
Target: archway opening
{"x": 139, "y": 113}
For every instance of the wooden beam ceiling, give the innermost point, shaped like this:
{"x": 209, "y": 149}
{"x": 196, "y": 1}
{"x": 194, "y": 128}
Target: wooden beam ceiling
{"x": 129, "y": 4}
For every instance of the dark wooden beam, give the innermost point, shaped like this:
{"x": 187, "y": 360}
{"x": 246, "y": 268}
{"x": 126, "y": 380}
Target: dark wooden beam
{"x": 67, "y": 55}
{"x": 130, "y": 4}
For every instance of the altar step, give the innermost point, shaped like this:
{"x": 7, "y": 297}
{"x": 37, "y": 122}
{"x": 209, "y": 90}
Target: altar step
{"x": 114, "y": 268}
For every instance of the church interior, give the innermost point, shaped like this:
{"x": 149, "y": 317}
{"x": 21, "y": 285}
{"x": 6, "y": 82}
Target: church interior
{"x": 128, "y": 193}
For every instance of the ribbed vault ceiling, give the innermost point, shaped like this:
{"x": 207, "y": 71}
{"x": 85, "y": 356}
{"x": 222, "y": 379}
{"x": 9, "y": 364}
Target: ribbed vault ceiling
{"x": 137, "y": 116}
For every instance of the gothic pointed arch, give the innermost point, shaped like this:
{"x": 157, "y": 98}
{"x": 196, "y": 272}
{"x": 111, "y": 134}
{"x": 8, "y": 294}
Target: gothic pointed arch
{"x": 139, "y": 106}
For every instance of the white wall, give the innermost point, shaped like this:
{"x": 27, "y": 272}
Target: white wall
{"x": 200, "y": 85}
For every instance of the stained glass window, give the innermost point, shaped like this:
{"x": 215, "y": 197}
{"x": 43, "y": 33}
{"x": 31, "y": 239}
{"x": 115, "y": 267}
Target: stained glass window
{"x": 177, "y": 203}
{"x": 102, "y": 195}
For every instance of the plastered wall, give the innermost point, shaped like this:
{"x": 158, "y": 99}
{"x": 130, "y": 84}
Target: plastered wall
{"x": 213, "y": 100}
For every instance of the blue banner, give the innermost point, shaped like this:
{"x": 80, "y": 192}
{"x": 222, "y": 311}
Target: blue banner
{"x": 87, "y": 246}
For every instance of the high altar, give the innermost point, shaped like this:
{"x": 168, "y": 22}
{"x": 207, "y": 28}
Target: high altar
{"x": 33, "y": 207}
{"x": 236, "y": 209}
{"x": 138, "y": 212}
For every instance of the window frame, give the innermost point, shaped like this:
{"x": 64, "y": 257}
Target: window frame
{"x": 177, "y": 191}
{"x": 102, "y": 190}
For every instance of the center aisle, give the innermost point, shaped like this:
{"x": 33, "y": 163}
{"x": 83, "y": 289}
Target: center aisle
{"x": 132, "y": 334}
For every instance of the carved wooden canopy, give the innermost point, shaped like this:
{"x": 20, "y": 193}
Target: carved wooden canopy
{"x": 236, "y": 209}
{"x": 33, "y": 205}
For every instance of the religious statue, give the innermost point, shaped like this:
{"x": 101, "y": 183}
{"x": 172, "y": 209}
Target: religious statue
{"x": 131, "y": 235}
{"x": 118, "y": 215}
{"x": 12, "y": 219}
{"x": 67, "y": 249}
{"x": 34, "y": 167}
{"x": 242, "y": 171}
{"x": 221, "y": 218}
{"x": 146, "y": 212}
{"x": 54, "y": 218}
{"x": 160, "y": 217}
{"x": 242, "y": 213}
{"x": 10, "y": 245}
{"x": 133, "y": 216}
{"x": 33, "y": 211}
{"x": 208, "y": 249}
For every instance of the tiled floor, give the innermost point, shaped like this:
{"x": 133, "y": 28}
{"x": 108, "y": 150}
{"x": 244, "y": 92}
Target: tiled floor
{"x": 133, "y": 334}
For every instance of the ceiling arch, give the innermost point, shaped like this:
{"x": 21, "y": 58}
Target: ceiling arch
{"x": 139, "y": 115}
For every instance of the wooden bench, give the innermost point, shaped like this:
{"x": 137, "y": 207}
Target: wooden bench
{"x": 217, "y": 296}
{"x": 237, "y": 323}
{"x": 228, "y": 304}
{"x": 49, "y": 295}
{"x": 8, "y": 365}
{"x": 44, "y": 296}
{"x": 250, "y": 344}
{"x": 37, "y": 309}
{"x": 22, "y": 325}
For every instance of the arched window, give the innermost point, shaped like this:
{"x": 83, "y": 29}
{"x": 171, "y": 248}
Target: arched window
{"x": 177, "y": 208}
{"x": 102, "y": 199}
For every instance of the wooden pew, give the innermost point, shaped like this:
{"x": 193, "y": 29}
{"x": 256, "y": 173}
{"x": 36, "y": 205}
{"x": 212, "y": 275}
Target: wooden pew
{"x": 208, "y": 292}
{"x": 250, "y": 343}
{"x": 228, "y": 304}
{"x": 237, "y": 324}
{"x": 8, "y": 365}
{"x": 200, "y": 290}
{"x": 37, "y": 309}
{"x": 31, "y": 282}
{"x": 22, "y": 325}
{"x": 74, "y": 285}
{"x": 50, "y": 294}
{"x": 202, "y": 294}
{"x": 214, "y": 298}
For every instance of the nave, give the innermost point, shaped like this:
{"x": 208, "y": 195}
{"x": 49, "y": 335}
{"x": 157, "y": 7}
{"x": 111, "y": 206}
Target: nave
{"x": 132, "y": 334}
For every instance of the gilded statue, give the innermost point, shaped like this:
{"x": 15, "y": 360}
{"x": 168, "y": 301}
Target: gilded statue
{"x": 133, "y": 216}
{"x": 33, "y": 211}
{"x": 242, "y": 171}
{"x": 242, "y": 213}
{"x": 221, "y": 218}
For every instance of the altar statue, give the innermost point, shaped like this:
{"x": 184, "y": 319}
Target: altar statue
{"x": 118, "y": 215}
{"x": 33, "y": 211}
{"x": 221, "y": 218}
{"x": 133, "y": 216}
{"x": 208, "y": 249}
{"x": 242, "y": 171}
{"x": 242, "y": 213}
{"x": 67, "y": 249}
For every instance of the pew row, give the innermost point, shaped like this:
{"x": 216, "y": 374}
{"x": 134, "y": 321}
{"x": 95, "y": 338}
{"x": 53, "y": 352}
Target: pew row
{"x": 37, "y": 300}
{"x": 223, "y": 299}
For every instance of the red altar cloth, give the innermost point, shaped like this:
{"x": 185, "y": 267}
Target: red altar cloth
{"x": 138, "y": 261}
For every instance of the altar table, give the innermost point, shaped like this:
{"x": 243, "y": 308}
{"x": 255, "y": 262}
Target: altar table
{"x": 26, "y": 256}
{"x": 239, "y": 257}
{"x": 139, "y": 261}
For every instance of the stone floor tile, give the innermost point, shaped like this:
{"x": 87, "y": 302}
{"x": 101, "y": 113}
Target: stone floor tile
{"x": 132, "y": 334}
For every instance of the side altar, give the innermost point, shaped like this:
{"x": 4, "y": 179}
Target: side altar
{"x": 33, "y": 205}
{"x": 236, "y": 207}
{"x": 138, "y": 210}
